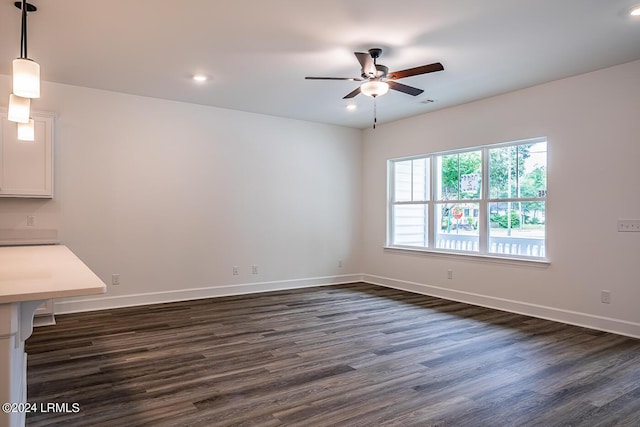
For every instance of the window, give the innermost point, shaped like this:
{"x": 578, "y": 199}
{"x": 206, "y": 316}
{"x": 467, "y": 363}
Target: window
{"x": 489, "y": 200}
{"x": 411, "y": 192}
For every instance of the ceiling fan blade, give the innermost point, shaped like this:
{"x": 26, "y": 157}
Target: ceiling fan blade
{"x": 366, "y": 62}
{"x": 353, "y": 79}
{"x": 424, "y": 69}
{"x": 410, "y": 90}
{"x": 352, "y": 93}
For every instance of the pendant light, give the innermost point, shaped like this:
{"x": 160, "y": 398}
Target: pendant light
{"x": 26, "y": 72}
{"x": 27, "y": 131}
{"x": 19, "y": 109}
{"x": 26, "y": 82}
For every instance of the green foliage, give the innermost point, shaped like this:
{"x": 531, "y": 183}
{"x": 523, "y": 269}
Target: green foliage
{"x": 506, "y": 170}
{"x": 533, "y": 182}
{"x": 455, "y": 165}
{"x": 502, "y": 220}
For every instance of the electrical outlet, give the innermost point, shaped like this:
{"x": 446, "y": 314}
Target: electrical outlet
{"x": 235, "y": 270}
{"x": 605, "y": 297}
{"x": 254, "y": 269}
{"x": 449, "y": 274}
{"x": 31, "y": 220}
{"x": 115, "y": 279}
{"x": 339, "y": 263}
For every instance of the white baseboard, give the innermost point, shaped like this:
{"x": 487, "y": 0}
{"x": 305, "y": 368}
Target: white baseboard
{"x": 616, "y": 326}
{"x": 80, "y": 304}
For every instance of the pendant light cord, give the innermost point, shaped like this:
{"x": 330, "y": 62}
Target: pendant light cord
{"x": 23, "y": 35}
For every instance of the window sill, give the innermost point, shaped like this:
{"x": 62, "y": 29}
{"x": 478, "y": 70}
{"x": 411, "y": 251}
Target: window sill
{"x": 469, "y": 256}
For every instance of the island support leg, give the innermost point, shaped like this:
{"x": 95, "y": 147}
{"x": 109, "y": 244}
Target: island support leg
{"x": 16, "y": 325}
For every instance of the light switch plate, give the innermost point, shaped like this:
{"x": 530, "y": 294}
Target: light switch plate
{"x": 625, "y": 225}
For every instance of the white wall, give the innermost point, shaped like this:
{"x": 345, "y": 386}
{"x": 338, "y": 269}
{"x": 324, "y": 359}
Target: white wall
{"x": 593, "y": 130}
{"x": 172, "y": 195}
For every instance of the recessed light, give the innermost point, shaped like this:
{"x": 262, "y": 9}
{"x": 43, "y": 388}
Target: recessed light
{"x": 351, "y": 107}
{"x": 635, "y": 11}
{"x": 200, "y": 78}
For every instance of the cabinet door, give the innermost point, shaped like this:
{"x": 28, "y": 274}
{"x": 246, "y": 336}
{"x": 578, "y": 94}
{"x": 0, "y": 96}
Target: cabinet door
{"x": 26, "y": 167}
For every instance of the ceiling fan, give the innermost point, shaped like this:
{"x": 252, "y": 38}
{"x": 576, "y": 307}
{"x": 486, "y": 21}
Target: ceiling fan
{"x": 377, "y": 78}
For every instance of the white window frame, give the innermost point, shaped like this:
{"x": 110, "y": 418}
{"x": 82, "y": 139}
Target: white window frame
{"x": 483, "y": 204}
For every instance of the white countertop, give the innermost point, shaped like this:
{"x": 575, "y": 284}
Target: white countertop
{"x": 40, "y": 272}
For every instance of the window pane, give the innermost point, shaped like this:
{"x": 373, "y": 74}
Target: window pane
{"x": 448, "y": 177}
{"x": 470, "y": 175}
{"x": 454, "y": 230}
{"x": 518, "y": 171}
{"x": 534, "y": 179}
{"x": 420, "y": 180}
{"x": 502, "y": 172}
{"x": 411, "y": 180}
{"x": 522, "y": 232}
{"x": 402, "y": 181}
{"x": 410, "y": 225}
{"x": 460, "y": 176}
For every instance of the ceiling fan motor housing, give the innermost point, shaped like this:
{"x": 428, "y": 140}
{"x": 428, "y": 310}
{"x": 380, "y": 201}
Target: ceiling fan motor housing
{"x": 375, "y": 53}
{"x": 383, "y": 70}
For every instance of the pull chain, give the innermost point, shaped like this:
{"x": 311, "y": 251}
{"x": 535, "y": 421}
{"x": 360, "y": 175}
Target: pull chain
{"x": 375, "y": 114}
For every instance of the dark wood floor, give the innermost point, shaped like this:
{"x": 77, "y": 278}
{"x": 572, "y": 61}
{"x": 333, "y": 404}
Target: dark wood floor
{"x": 351, "y": 355}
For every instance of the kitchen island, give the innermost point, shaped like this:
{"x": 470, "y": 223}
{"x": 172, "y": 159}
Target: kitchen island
{"x": 29, "y": 275}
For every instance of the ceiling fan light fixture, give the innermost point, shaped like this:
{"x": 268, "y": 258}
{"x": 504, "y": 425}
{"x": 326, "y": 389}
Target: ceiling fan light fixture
{"x": 635, "y": 10}
{"x": 26, "y": 78}
{"x": 374, "y": 88}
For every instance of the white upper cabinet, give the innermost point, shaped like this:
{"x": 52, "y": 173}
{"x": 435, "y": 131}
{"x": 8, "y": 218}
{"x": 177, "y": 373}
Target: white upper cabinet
{"x": 26, "y": 167}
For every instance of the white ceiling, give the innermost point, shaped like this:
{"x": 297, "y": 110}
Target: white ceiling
{"x": 257, "y": 53}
